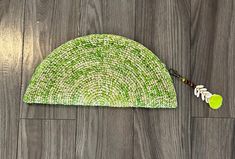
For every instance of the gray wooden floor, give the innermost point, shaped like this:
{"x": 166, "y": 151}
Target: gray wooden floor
{"x": 196, "y": 37}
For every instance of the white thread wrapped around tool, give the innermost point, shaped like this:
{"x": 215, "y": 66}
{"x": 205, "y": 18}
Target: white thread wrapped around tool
{"x": 200, "y": 90}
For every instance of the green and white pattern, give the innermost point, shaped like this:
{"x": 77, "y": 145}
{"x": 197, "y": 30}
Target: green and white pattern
{"x": 102, "y": 70}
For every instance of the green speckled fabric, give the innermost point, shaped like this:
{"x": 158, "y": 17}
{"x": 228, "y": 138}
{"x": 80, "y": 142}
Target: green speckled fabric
{"x": 102, "y": 70}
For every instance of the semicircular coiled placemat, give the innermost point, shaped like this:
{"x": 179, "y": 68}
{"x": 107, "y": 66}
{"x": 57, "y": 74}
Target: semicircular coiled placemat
{"x": 102, "y": 70}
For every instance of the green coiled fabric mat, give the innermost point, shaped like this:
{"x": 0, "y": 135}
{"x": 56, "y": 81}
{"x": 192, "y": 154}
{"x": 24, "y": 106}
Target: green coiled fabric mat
{"x": 102, "y": 70}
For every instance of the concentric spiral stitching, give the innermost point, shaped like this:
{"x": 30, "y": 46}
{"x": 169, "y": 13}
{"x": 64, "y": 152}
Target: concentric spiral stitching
{"x": 105, "y": 70}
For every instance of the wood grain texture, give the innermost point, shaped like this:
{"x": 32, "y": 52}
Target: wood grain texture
{"x": 106, "y": 132}
{"x": 195, "y": 37}
{"x": 41, "y": 139}
{"x": 48, "y": 24}
{"x": 11, "y": 36}
{"x": 213, "y": 138}
{"x": 213, "y": 53}
{"x": 164, "y": 27}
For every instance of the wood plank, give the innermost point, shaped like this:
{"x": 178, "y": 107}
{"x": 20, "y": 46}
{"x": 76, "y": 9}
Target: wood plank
{"x": 47, "y": 25}
{"x": 39, "y": 139}
{"x": 164, "y": 27}
{"x": 11, "y": 35}
{"x": 213, "y": 53}
{"x": 213, "y": 138}
{"x": 106, "y": 132}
